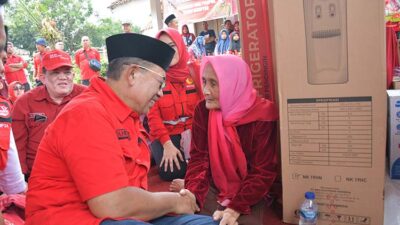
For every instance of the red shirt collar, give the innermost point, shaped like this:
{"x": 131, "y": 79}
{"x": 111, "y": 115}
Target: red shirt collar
{"x": 111, "y": 100}
{"x": 42, "y": 94}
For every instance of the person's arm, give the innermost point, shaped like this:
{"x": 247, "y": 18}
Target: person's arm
{"x": 9, "y": 69}
{"x": 21, "y": 64}
{"x": 197, "y": 179}
{"x": 24, "y": 63}
{"x": 36, "y": 68}
{"x": 11, "y": 178}
{"x": 141, "y": 204}
{"x": 77, "y": 60}
{"x": 20, "y": 130}
{"x": 262, "y": 168}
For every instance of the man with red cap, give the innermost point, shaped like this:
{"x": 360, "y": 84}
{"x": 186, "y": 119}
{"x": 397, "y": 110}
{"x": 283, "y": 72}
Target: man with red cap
{"x": 92, "y": 163}
{"x": 35, "y": 110}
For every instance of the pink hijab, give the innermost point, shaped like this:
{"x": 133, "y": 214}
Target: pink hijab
{"x": 239, "y": 105}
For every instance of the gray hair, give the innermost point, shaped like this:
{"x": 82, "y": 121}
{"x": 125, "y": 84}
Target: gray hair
{"x": 116, "y": 66}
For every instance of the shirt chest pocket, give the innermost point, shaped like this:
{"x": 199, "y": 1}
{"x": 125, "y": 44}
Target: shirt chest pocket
{"x": 192, "y": 99}
{"x": 167, "y": 107}
{"x": 36, "y": 120}
{"x": 134, "y": 159}
{"x": 129, "y": 159}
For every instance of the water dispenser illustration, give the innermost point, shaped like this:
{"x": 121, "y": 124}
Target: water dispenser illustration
{"x": 326, "y": 40}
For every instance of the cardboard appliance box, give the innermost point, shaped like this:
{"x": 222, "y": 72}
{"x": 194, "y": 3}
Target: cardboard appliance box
{"x": 331, "y": 74}
{"x": 393, "y": 149}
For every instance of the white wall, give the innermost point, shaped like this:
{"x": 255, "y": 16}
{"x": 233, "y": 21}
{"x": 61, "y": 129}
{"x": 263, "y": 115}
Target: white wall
{"x": 137, "y": 11}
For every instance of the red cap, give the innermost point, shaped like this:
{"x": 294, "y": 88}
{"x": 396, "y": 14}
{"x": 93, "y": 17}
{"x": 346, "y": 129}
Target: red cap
{"x": 55, "y": 59}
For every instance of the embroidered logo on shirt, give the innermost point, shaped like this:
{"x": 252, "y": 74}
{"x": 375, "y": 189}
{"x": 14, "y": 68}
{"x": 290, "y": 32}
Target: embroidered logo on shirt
{"x": 123, "y": 134}
{"x": 38, "y": 117}
{"x": 4, "y": 111}
{"x": 189, "y": 81}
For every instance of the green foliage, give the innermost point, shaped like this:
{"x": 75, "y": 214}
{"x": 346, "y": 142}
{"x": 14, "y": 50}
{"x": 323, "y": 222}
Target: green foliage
{"x": 56, "y": 20}
{"x": 98, "y": 32}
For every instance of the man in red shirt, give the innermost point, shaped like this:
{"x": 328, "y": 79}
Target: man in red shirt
{"x": 92, "y": 163}
{"x": 14, "y": 68}
{"x": 37, "y": 60}
{"x": 82, "y": 58}
{"x": 35, "y": 110}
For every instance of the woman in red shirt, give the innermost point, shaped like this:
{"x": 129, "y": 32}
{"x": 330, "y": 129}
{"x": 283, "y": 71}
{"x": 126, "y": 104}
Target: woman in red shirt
{"x": 170, "y": 119}
{"x": 233, "y": 156}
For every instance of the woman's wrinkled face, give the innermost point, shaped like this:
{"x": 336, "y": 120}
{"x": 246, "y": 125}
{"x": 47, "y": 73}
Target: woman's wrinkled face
{"x": 211, "y": 87}
{"x": 167, "y": 39}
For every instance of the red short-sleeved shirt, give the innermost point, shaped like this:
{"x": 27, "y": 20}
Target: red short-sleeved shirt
{"x": 83, "y": 62}
{"x": 95, "y": 146}
{"x": 18, "y": 75}
{"x": 37, "y": 63}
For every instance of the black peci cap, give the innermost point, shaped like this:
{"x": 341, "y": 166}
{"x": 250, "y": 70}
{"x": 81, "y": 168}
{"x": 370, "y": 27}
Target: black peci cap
{"x": 139, "y": 46}
{"x": 169, "y": 19}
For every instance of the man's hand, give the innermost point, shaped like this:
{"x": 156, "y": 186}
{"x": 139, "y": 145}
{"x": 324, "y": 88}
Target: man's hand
{"x": 177, "y": 185}
{"x": 187, "y": 203}
{"x": 170, "y": 156}
{"x": 227, "y": 217}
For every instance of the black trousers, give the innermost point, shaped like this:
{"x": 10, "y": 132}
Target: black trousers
{"x": 157, "y": 152}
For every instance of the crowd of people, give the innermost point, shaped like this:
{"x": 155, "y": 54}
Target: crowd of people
{"x": 81, "y": 152}
{"x": 207, "y": 43}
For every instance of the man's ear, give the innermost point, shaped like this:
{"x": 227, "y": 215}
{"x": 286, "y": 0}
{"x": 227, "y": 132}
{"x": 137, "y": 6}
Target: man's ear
{"x": 42, "y": 78}
{"x": 130, "y": 73}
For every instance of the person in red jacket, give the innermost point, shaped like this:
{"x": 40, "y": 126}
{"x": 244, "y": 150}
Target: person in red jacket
{"x": 82, "y": 58}
{"x": 170, "y": 120}
{"x": 233, "y": 160}
{"x": 14, "y": 68}
{"x": 35, "y": 110}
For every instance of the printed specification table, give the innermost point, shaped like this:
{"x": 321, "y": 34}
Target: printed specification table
{"x": 330, "y": 131}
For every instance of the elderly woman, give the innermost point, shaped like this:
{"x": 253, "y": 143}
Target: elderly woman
{"x": 234, "y": 156}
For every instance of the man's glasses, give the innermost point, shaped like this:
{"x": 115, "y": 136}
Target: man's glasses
{"x": 16, "y": 88}
{"x": 162, "y": 86}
